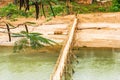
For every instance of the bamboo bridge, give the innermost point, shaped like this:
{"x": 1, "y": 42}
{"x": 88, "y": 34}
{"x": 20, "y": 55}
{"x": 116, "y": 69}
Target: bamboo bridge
{"x": 65, "y": 52}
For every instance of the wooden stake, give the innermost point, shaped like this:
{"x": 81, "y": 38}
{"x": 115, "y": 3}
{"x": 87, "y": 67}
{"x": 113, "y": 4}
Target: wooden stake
{"x": 26, "y": 28}
{"x": 8, "y": 29}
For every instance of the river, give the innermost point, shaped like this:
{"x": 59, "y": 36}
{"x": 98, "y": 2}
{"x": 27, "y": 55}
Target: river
{"x": 97, "y": 64}
{"x": 94, "y": 64}
{"x": 17, "y": 66}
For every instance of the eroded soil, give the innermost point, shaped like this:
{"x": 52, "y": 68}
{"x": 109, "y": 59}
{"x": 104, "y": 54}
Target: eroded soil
{"x": 93, "y": 30}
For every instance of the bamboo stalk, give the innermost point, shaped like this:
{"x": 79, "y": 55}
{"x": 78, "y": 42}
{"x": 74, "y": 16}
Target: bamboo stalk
{"x": 60, "y": 65}
{"x": 37, "y": 9}
{"x": 27, "y": 5}
{"x": 21, "y": 4}
{"x": 8, "y": 29}
{"x": 43, "y": 10}
{"x": 51, "y": 8}
{"x": 26, "y": 28}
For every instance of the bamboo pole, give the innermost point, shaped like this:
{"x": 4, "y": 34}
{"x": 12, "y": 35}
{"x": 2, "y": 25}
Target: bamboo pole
{"x": 26, "y": 28}
{"x": 8, "y": 29}
{"x": 60, "y": 65}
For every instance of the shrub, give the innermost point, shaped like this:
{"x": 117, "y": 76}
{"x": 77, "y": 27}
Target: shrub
{"x": 102, "y": 9}
{"x": 58, "y": 9}
{"x": 116, "y": 6}
{"x": 12, "y": 11}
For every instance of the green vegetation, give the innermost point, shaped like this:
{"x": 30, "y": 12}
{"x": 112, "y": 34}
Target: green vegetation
{"x": 11, "y": 11}
{"x": 116, "y": 6}
{"x": 38, "y": 4}
{"x": 54, "y": 7}
{"x": 34, "y": 40}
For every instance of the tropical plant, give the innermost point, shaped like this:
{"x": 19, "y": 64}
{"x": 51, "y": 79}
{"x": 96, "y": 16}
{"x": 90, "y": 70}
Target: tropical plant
{"x": 39, "y": 4}
{"x": 67, "y": 6}
{"x": 11, "y": 11}
{"x": 116, "y": 5}
{"x": 34, "y": 40}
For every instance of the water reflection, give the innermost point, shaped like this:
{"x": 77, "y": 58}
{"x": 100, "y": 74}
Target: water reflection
{"x": 98, "y": 64}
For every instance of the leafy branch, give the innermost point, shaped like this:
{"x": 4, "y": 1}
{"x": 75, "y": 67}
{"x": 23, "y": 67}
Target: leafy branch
{"x": 34, "y": 40}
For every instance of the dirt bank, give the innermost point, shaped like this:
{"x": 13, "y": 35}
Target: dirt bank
{"x": 94, "y": 30}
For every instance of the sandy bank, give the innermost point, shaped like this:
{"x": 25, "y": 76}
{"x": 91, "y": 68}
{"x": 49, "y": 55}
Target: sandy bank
{"x": 93, "y": 30}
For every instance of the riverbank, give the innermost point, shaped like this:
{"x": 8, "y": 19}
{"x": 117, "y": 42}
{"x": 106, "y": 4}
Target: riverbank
{"x": 94, "y": 30}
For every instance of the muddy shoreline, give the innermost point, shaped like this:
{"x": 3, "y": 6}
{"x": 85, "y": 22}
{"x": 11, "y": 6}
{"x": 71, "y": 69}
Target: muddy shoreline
{"x": 101, "y": 30}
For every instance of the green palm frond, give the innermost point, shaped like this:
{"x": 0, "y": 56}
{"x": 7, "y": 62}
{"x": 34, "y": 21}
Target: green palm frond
{"x": 46, "y": 41}
{"x": 34, "y": 40}
{"x": 21, "y": 44}
{"x": 21, "y": 34}
{"x": 17, "y": 35}
{"x": 35, "y": 34}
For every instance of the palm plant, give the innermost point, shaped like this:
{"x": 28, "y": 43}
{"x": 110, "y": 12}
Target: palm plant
{"x": 39, "y": 4}
{"x": 34, "y": 40}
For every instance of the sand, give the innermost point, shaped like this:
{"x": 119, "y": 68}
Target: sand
{"x": 93, "y": 30}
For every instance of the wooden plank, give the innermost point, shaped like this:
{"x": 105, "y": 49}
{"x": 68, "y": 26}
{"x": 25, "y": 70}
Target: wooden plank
{"x": 60, "y": 65}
